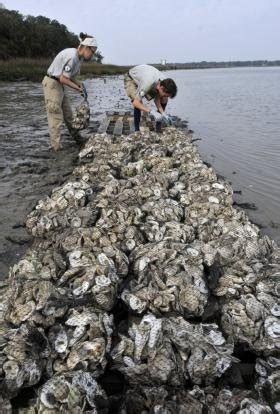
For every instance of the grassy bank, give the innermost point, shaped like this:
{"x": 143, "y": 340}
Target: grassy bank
{"x": 35, "y": 69}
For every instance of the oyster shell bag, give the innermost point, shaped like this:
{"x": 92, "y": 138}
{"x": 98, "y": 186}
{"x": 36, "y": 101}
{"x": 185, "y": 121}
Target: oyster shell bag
{"x": 81, "y": 116}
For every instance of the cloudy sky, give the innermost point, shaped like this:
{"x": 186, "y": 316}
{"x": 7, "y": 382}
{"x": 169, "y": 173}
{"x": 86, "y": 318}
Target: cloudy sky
{"x": 145, "y": 31}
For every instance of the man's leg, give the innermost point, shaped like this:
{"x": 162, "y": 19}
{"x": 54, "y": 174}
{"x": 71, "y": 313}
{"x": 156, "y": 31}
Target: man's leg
{"x": 53, "y": 93}
{"x": 131, "y": 91}
{"x": 163, "y": 102}
{"x": 137, "y": 119}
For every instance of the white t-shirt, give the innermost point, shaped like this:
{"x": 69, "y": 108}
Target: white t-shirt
{"x": 146, "y": 76}
{"x": 67, "y": 62}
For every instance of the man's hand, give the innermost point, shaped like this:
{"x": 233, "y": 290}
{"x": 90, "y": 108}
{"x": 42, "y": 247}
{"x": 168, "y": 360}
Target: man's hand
{"x": 84, "y": 91}
{"x": 166, "y": 119}
{"x": 155, "y": 115}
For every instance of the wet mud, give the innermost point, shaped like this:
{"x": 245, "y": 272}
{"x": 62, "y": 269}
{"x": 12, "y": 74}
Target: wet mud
{"x": 29, "y": 174}
{"x": 28, "y": 167}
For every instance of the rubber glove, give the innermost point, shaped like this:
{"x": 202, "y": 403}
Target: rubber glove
{"x": 156, "y": 115}
{"x": 84, "y": 91}
{"x": 166, "y": 119}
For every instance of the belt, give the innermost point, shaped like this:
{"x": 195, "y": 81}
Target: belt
{"x": 52, "y": 77}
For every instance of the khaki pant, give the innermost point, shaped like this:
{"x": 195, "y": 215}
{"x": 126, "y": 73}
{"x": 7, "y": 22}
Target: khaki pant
{"x": 58, "y": 109}
{"x": 130, "y": 87}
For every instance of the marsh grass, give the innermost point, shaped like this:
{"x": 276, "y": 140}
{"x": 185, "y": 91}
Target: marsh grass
{"x": 34, "y": 69}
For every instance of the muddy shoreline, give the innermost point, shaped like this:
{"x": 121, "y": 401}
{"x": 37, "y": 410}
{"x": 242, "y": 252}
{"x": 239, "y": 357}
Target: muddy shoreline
{"x": 25, "y": 184}
{"x": 31, "y": 173}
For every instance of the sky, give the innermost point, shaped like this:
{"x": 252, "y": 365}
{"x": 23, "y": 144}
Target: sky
{"x": 146, "y": 31}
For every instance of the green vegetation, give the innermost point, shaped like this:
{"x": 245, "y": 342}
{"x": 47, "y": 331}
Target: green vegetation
{"x": 28, "y": 45}
{"x": 209, "y": 65}
{"x": 23, "y": 69}
{"x": 92, "y": 69}
{"x": 35, "y": 69}
{"x": 18, "y": 69}
{"x": 32, "y": 37}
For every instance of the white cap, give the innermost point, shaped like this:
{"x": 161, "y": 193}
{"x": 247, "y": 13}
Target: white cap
{"x": 89, "y": 41}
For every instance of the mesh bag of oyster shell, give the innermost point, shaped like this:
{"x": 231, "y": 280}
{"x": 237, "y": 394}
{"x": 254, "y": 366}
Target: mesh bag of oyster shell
{"x": 198, "y": 400}
{"x": 81, "y": 116}
{"x": 168, "y": 277}
{"x": 66, "y": 207}
{"x": 172, "y": 351}
{"x": 254, "y": 318}
{"x": 5, "y": 405}
{"x": 147, "y": 221}
{"x": 24, "y": 356}
{"x": 31, "y": 353}
{"x": 88, "y": 277}
{"x": 73, "y": 393}
{"x": 268, "y": 381}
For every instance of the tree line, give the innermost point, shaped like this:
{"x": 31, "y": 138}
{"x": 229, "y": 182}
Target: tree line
{"x": 33, "y": 37}
{"x": 229, "y": 64}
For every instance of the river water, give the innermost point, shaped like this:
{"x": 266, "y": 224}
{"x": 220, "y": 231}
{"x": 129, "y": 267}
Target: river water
{"x": 235, "y": 113}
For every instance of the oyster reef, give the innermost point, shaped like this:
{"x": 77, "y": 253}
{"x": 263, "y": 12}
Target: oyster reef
{"x": 144, "y": 291}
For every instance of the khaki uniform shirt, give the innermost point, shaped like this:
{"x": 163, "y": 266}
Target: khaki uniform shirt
{"x": 146, "y": 77}
{"x": 66, "y": 63}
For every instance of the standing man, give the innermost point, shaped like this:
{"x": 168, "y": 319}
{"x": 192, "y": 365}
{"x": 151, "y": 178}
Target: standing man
{"x": 145, "y": 81}
{"x": 62, "y": 72}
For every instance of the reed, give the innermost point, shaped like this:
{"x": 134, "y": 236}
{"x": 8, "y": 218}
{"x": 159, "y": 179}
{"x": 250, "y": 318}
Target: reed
{"x": 34, "y": 69}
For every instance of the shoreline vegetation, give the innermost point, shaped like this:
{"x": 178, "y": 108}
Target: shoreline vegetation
{"x": 32, "y": 69}
{"x": 21, "y": 69}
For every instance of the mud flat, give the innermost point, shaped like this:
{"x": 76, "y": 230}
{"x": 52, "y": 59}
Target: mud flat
{"x": 144, "y": 290}
{"x": 23, "y": 181}
{"x": 28, "y": 170}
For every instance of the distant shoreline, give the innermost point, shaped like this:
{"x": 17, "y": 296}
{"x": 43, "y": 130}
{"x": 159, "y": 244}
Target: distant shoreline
{"x": 215, "y": 65}
{"x": 22, "y": 69}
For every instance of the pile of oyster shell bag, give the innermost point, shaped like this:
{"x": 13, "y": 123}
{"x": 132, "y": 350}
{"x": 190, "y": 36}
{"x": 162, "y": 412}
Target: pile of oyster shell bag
{"x": 143, "y": 274}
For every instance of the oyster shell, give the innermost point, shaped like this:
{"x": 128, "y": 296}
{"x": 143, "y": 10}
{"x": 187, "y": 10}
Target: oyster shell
{"x": 168, "y": 277}
{"x": 71, "y": 393}
{"x": 81, "y": 116}
{"x": 155, "y": 348}
{"x": 140, "y": 259}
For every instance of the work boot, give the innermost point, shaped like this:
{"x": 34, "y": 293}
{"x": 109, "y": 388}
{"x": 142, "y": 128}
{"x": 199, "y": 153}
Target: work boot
{"x": 57, "y": 147}
{"x": 77, "y": 136}
{"x": 158, "y": 127}
{"x": 55, "y": 143}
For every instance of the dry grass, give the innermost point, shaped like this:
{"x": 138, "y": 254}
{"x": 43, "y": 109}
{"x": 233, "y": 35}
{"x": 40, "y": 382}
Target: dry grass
{"x": 35, "y": 69}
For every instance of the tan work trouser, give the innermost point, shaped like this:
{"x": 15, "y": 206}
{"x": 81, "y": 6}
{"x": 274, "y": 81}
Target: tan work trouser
{"x": 130, "y": 87}
{"x": 58, "y": 109}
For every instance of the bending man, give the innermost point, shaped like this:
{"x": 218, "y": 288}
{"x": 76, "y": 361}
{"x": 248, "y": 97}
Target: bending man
{"x": 145, "y": 81}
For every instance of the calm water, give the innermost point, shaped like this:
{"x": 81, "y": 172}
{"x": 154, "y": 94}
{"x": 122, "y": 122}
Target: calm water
{"x": 236, "y": 113}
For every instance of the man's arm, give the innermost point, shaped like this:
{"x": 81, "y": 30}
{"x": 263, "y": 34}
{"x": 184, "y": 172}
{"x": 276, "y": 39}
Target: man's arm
{"x": 139, "y": 105}
{"x": 67, "y": 81}
{"x": 158, "y": 105}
